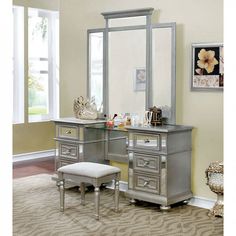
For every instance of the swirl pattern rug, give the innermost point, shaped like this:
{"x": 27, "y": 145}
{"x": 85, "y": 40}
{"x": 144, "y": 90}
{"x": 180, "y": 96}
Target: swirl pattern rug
{"x": 36, "y": 213}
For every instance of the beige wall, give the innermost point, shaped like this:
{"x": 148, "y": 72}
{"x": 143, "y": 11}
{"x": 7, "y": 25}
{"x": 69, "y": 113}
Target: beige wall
{"x": 197, "y": 21}
{"x": 38, "y": 136}
{"x": 42, "y": 4}
{"x": 33, "y": 137}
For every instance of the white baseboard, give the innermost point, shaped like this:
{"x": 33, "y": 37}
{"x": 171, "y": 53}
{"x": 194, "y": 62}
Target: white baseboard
{"x": 202, "y": 202}
{"x": 33, "y": 155}
{"x": 195, "y": 200}
{"x": 123, "y": 186}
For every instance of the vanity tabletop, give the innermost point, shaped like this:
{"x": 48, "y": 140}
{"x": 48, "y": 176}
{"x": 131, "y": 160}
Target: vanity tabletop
{"x": 78, "y": 121}
{"x": 161, "y": 128}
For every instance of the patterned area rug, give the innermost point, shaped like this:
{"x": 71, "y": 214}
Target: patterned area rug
{"x": 36, "y": 213}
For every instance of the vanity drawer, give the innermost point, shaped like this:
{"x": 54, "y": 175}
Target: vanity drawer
{"x": 147, "y": 141}
{"x": 146, "y": 183}
{"x": 146, "y": 163}
{"x": 63, "y": 162}
{"x": 67, "y": 131}
{"x": 69, "y": 151}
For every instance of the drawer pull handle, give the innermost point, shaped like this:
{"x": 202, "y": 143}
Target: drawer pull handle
{"x": 68, "y": 151}
{"x": 146, "y": 163}
{"x": 147, "y": 141}
{"x": 68, "y": 132}
{"x": 146, "y": 183}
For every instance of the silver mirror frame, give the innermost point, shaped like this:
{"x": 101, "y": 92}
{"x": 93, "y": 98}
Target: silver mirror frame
{"x": 149, "y": 27}
{"x": 172, "y": 26}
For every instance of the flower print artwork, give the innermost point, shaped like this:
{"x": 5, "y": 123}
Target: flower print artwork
{"x": 140, "y": 79}
{"x": 208, "y": 67}
{"x": 207, "y": 61}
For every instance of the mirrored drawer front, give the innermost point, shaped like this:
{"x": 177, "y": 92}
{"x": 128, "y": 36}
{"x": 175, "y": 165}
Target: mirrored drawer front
{"x": 63, "y": 163}
{"x": 146, "y": 163}
{"x": 68, "y": 132}
{"x": 147, "y": 141}
{"x": 146, "y": 183}
{"x": 69, "y": 151}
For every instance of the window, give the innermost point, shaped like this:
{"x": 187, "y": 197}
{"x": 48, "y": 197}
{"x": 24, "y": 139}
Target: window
{"x": 18, "y": 64}
{"x": 42, "y": 64}
{"x": 42, "y": 79}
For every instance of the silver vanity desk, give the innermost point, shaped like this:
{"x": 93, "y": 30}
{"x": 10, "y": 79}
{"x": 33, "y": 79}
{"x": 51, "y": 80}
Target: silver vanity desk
{"x": 88, "y": 140}
{"x": 75, "y": 142}
{"x": 160, "y": 164}
{"x": 158, "y": 158}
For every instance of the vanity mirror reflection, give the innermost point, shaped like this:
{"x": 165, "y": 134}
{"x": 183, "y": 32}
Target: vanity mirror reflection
{"x": 131, "y": 64}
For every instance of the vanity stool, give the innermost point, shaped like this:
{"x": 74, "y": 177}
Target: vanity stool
{"x": 92, "y": 173}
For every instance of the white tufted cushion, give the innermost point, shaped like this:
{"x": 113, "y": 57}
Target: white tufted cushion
{"x": 89, "y": 169}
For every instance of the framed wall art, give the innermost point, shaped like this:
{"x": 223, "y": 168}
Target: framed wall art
{"x": 139, "y": 79}
{"x": 207, "y": 67}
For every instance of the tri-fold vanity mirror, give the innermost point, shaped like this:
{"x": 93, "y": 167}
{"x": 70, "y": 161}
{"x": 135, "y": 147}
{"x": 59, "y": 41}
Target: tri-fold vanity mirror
{"x": 131, "y": 64}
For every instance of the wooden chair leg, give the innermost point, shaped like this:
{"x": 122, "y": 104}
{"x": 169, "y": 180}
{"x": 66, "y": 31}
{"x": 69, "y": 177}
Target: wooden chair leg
{"x": 97, "y": 201}
{"x": 82, "y": 192}
{"x": 62, "y": 194}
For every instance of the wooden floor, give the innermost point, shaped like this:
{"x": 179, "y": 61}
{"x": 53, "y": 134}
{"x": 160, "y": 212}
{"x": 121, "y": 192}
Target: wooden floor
{"x": 27, "y": 168}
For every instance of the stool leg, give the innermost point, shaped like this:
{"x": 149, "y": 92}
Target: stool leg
{"x": 62, "y": 194}
{"x": 116, "y": 195}
{"x": 82, "y": 192}
{"x": 97, "y": 201}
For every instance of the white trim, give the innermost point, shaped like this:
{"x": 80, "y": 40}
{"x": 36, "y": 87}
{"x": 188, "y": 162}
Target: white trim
{"x": 194, "y": 201}
{"x": 123, "y": 186}
{"x": 202, "y": 202}
{"x": 33, "y": 155}
{"x": 18, "y": 65}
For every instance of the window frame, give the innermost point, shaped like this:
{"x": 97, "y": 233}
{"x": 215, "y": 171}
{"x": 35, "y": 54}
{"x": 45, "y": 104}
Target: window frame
{"x": 18, "y": 65}
{"x": 53, "y": 105}
{"x": 53, "y": 79}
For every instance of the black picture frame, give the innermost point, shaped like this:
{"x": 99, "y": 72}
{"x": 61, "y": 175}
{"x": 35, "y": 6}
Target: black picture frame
{"x": 207, "y": 67}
